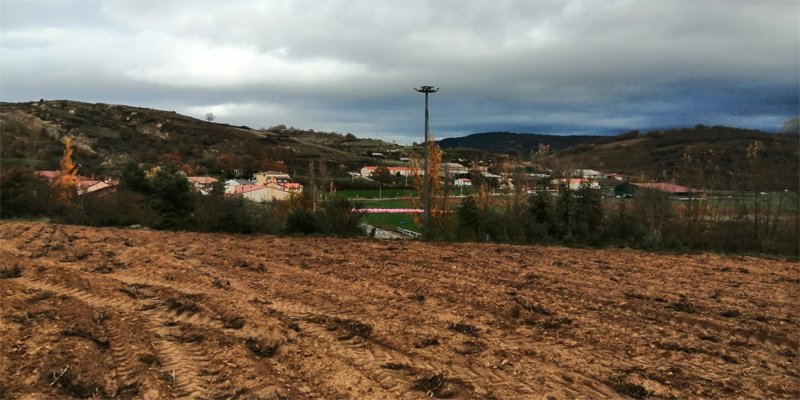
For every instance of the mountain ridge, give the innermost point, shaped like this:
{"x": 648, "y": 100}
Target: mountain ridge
{"x": 524, "y": 143}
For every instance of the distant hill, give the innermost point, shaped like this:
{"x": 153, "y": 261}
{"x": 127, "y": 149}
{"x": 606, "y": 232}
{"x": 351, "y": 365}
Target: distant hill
{"x": 704, "y": 156}
{"x": 500, "y": 142}
{"x": 107, "y": 136}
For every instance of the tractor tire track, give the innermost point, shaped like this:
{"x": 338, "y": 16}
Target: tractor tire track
{"x": 186, "y": 364}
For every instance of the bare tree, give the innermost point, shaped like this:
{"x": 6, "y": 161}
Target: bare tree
{"x": 790, "y": 127}
{"x": 210, "y": 117}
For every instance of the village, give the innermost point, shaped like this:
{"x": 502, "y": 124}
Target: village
{"x": 264, "y": 186}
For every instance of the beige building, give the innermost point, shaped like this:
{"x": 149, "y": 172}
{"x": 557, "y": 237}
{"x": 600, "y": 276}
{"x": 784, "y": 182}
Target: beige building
{"x": 272, "y": 190}
{"x": 263, "y": 177}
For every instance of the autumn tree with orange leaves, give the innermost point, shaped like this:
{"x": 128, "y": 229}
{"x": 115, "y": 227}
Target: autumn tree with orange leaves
{"x": 67, "y": 181}
{"x": 438, "y": 189}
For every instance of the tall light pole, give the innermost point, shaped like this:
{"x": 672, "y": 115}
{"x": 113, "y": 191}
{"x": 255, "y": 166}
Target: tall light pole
{"x": 426, "y": 190}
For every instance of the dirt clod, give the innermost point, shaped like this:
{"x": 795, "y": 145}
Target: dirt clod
{"x": 76, "y": 331}
{"x": 182, "y": 305}
{"x": 427, "y": 342}
{"x": 731, "y": 314}
{"x": 631, "y": 390}
{"x": 682, "y": 306}
{"x": 261, "y": 349}
{"x": 534, "y": 308}
{"x": 394, "y": 366}
{"x": 69, "y": 383}
{"x": 150, "y": 360}
{"x": 233, "y": 323}
{"x": 432, "y": 385}
{"x": 14, "y": 271}
{"x": 466, "y": 329}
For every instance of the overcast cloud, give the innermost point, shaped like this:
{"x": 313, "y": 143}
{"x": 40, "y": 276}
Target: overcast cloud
{"x": 556, "y": 67}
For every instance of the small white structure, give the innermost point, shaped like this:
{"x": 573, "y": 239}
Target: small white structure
{"x": 620, "y": 177}
{"x": 587, "y": 174}
{"x": 453, "y": 168}
{"x": 575, "y": 184}
{"x": 462, "y": 182}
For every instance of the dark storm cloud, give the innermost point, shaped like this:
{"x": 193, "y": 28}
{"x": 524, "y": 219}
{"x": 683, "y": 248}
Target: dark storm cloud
{"x": 562, "y": 67}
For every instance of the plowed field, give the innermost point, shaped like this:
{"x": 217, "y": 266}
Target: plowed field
{"x": 143, "y": 314}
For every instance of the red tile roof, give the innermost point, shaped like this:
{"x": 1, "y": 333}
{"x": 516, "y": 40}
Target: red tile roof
{"x": 86, "y": 183}
{"x": 202, "y": 179}
{"x": 49, "y": 174}
{"x": 397, "y": 168}
{"x": 239, "y": 189}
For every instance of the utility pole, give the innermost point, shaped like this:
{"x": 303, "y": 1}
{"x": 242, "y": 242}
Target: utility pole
{"x": 426, "y": 190}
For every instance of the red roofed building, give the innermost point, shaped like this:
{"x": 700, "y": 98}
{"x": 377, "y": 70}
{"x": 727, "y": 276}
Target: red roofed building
{"x": 260, "y": 193}
{"x": 204, "y": 183}
{"x": 49, "y": 174}
{"x": 290, "y": 186}
{"x": 85, "y": 185}
{"x": 463, "y": 182}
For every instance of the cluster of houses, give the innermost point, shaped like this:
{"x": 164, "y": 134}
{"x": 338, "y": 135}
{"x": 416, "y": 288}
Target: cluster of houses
{"x": 627, "y": 189}
{"x": 85, "y": 185}
{"x": 455, "y": 171}
{"x": 265, "y": 186}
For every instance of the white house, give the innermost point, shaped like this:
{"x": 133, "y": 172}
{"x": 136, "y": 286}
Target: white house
{"x": 587, "y": 174}
{"x": 462, "y": 182}
{"x": 453, "y": 168}
{"x": 620, "y": 177}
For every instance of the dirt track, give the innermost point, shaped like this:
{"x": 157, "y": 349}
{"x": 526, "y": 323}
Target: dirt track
{"x": 144, "y": 314}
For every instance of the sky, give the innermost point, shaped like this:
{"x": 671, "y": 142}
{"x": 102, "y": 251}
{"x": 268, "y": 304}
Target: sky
{"x": 548, "y": 67}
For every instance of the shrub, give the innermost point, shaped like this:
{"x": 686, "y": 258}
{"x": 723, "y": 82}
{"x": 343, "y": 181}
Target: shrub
{"x": 301, "y": 220}
{"x": 334, "y": 217}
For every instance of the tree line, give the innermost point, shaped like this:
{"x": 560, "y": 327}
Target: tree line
{"x": 163, "y": 198}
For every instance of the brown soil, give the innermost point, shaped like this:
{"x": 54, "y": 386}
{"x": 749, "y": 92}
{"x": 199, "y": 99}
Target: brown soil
{"x": 116, "y": 313}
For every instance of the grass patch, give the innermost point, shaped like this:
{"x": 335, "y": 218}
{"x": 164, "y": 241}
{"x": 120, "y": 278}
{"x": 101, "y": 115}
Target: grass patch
{"x": 390, "y": 221}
